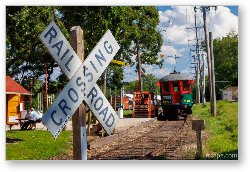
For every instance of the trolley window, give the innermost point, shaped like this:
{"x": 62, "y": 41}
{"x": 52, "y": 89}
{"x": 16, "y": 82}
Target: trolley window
{"x": 166, "y": 87}
{"x": 185, "y": 85}
{"x": 176, "y": 87}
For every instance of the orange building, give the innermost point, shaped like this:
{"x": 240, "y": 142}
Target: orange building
{"x": 14, "y": 100}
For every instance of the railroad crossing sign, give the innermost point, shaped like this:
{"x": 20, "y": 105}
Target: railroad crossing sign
{"x": 83, "y": 76}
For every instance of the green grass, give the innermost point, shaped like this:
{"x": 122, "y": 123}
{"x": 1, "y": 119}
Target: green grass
{"x": 127, "y": 113}
{"x": 36, "y": 145}
{"x": 222, "y": 129}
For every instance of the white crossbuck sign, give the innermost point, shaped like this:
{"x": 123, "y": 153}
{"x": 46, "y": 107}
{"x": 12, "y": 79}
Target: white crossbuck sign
{"x": 82, "y": 85}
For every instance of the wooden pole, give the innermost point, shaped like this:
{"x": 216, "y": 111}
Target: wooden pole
{"x": 31, "y": 90}
{"x": 46, "y": 86}
{"x": 38, "y": 106}
{"x": 199, "y": 144}
{"x": 89, "y": 121}
{"x": 213, "y": 98}
{"x": 42, "y": 99}
{"x": 198, "y": 65}
{"x": 204, "y": 9}
{"x": 203, "y": 85}
{"x": 139, "y": 71}
{"x": 197, "y": 84}
{"x": 104, "y": 91}
{"x": 111, "y": 100}
{"x": 79, "y": 117}
{"x": 115, "y": 101}
{"x": 105, "y": 82}
{"x": 198, "y": 125}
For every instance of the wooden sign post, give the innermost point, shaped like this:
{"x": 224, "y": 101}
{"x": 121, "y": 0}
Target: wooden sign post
{"x": 79, "y": 117}
{"x": 198, "y": 125}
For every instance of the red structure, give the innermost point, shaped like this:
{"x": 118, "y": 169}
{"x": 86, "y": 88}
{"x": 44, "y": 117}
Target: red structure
{"x": 144, "y": 105}
{"x": 125, "y": 102}
{"x": 14, "y": 100}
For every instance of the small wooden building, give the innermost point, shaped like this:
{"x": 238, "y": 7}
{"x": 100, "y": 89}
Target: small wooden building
{"x": 229, "y": 93}
{"x": 14, "y": 100}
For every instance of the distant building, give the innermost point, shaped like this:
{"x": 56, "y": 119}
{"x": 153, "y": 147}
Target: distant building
{"x": 14, "y": 100}
{"x": 229, "y": 93}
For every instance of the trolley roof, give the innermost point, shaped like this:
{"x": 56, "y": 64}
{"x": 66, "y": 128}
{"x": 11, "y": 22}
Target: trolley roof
{"x": 176, "y": 77}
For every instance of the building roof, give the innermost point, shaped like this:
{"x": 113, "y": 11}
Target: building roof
{"x": 176, "y": 77}
{"x": 12, "y": 87}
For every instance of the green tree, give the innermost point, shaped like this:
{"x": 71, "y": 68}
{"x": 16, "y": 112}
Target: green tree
{"x": 146, "y": 39}
{"x": 149, "y": 82}
{"x": 26, "y": 55}
{"x": 129, "y": 87}
{"x": 226, "y": 61}
{"x": 226, "y": 58}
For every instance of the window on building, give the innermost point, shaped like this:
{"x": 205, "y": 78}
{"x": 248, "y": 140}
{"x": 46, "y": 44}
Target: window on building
{"x": 185, "y": 85}
{"x": 176, "y": 87}
{"x": 166, "y": 87}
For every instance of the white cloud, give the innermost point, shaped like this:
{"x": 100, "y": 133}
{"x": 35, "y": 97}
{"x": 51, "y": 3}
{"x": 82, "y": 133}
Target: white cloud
{"x": 167, "y": 50}
{"x": 171, "y": 60}
{"x": 222, "y": 22}
{"x": 156, "y": 71}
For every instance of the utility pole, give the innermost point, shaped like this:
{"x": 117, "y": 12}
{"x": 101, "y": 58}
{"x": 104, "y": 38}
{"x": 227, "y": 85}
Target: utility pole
{"x": 79, "y": 117}
{"x": 203, "y": 86}
{"x": 197, "y": 65}
{"x": 204, "y": 10}
{"x": 197, "y": 69}
{"x": 213, "y": 102}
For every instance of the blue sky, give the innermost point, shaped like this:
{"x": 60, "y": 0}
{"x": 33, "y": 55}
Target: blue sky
{"x": 233, "y": 9}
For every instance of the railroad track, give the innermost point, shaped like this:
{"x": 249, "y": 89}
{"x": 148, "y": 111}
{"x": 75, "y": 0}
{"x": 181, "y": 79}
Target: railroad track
{"x": 152, "y": 140}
